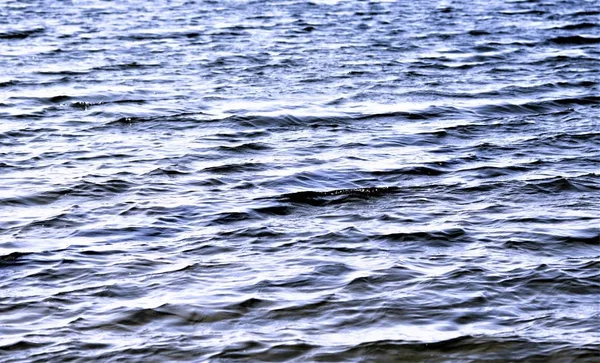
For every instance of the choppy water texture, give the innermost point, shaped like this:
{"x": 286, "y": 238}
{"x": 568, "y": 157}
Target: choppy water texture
{"x": 299, "y": 181}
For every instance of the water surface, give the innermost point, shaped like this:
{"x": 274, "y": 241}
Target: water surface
{"x": 299, "y": 181}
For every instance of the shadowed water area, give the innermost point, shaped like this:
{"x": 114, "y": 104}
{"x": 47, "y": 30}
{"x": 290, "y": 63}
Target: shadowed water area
{"x": 299, "y": 181}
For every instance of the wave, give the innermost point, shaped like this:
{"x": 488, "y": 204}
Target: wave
{"x": 575, "y": 40}
{"x": 469, "y": 347}
{"x": 82, "y": 188}
{"x": 21, "y": 34}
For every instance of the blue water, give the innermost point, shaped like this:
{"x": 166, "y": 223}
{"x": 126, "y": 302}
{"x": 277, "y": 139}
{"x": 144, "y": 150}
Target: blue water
{"x": 299, "y": 181}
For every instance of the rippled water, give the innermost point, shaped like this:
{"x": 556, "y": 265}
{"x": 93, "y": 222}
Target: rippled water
{"x": 292, "y": 180}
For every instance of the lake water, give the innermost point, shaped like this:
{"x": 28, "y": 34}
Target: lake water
{"x": 299, "y": 181}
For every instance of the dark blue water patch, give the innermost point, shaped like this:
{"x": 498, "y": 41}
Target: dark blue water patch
{"x": 336, "y": 196}
{"x": 561, "y": 184}
{"x": 431, "y": 112}
{"x": 14, "y": 258}
{"x": 446, "y": 236}
{"x": 65, "y": 73}
{"x": 542, "y": 107}
{"x": 170, "y": 172}
{"x": 20, "y": 34}
{"x": 245, "y": 148}
{"x": 126, "y": 66}
{"x": 9, "y": 83}
{"x": 234, "y": 168}
{"x": 575, "y": 40}
{"x": 481, "y": 347}
{"x": 577, "y": 26}
{"x": 583, "y": 13}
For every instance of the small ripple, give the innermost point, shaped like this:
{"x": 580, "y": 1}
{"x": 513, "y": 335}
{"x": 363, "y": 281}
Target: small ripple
{"x": 575, "y": 40}
{"x": 440, "y": 238}
{"x": 82, "y": 188}
{"x": 234, "y": 168}
{"x": 256, "y": 351}
{"x": 479, "y": 348}
{"x": 21, "y": 34}
{"x": 315, "y": 198}
{"x": 577, "y": 26}
{"x": 246, "y": 147}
